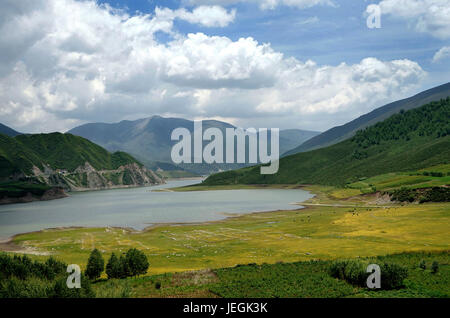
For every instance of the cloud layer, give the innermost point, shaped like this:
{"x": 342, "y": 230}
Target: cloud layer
{"x": 427, "y": 16}
{"x": 66, "y": 62}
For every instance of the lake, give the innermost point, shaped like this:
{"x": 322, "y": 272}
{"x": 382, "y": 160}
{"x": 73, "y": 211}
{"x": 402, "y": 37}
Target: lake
{"x": 139, "y": 208}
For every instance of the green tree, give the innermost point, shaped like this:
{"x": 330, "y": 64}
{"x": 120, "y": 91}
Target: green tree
{"x": 95, "y": 265}
{"x": 113, "y": 268}
{"x": 137, "y": 262}
{"x": 124, "y": 271}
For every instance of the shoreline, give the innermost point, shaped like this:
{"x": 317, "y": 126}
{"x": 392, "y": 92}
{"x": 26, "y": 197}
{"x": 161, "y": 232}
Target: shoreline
{"x": 8, "y": 244}
{"x": 55, "y": 193}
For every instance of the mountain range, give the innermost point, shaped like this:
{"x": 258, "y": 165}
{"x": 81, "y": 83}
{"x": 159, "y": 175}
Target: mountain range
{"x": 340, "y": 133}
{"x": 149, "y": 140}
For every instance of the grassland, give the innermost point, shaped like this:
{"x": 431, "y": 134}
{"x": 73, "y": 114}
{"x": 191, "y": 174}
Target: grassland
{"x": 324, "y": 230}
{"x": 422, "y": 178}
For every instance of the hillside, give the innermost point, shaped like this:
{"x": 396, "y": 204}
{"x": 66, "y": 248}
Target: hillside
{"x": 149, "y": 140}
{"x": 410, "y": 140}
{"x": 67, "y": 161}
{"x": 8, "y": 131}
{"x": 340, "y": 133}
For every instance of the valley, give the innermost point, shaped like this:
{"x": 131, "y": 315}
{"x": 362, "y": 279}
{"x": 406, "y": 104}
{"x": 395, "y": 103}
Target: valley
{"x": 379, "y": 196}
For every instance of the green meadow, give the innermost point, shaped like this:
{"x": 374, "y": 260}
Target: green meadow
{"x": 337, "y": 229}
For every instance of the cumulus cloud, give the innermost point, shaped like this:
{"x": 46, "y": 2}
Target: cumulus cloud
{"x": 77, "y": 61}
{"x": 443, "y": 53}
{"x": 428, "y": 16}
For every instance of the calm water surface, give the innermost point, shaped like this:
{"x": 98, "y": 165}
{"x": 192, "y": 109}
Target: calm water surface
{"x": 140, "y": 207}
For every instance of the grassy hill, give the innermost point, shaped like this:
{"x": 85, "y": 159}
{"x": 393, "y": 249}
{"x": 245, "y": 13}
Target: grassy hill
{"x": 410, "y": 140}
{"x": 340, "y": 133}
{"x": 30, "y": 165}
{"x": 58, "y": 151}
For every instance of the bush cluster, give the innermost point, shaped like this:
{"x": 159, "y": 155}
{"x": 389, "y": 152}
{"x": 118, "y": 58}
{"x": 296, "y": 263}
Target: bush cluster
{"x": 20, "y": 277}
{"x": 354, "y": 272}
{"x": 22, "y": 267}
{"x": 435, "y": 194}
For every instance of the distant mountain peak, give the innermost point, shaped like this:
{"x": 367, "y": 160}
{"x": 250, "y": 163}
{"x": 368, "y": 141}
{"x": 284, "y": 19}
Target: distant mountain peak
{"x": 8, "y": 131}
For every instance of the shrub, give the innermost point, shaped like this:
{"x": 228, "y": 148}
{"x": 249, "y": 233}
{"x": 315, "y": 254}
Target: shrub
{"x": 337, "y": 269}
{"x": 392, "y": 276}
{"x": 435, "y": 267}
{"x": 18, "y": 288}
{"x": 404, "y": 195}
{"x": 60, "y": 290}
{"x": 158, "y": 285}
{"x": 422, "y": 264}
{"x": 354, "y": 272}
{"x": 95, "y": 265}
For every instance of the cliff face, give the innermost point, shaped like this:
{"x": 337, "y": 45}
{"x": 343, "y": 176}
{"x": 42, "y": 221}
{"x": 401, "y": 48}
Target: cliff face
{"x": 46, "y": 166}
{"x": 86, "y": 177}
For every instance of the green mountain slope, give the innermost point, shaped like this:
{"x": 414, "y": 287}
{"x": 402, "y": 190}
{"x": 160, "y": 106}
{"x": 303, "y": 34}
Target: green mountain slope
{"x": 68, "y": 161}
{"x": 411, "y": 140}
{"x": 8, "y": 131}
{"x": 340, "y": 133}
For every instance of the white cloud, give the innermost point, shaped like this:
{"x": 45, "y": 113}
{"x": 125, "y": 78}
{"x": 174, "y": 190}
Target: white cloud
{"x": 209, "y": 16}
{"x": 428, "y": 16}
{"x": 267, "y": 4}
{"x": 76, "y": 61}
{"x": 443, "y": 53}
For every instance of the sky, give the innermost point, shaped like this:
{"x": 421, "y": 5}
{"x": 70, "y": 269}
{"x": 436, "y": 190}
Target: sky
{"x": 307, "y": 64}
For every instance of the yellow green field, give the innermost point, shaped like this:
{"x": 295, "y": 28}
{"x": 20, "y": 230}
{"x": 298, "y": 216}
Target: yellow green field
{"x": 332, "y": 226}
{"x": 412, "y": 180}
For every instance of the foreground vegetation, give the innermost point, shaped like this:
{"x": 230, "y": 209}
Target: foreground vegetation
{"x": 20, "y": 277}
{"x": 416, "y": 274}
{"x": 300, "y": 279}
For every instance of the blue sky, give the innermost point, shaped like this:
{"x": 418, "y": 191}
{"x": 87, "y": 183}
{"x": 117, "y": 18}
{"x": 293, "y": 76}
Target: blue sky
{"x": 327, "y": 35}
{"x": 309, "y": 64}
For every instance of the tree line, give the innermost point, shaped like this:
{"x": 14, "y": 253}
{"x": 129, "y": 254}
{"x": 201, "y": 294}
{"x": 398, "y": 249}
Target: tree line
{"x": 432, "y": 120}
{"x": 131, "y": 264}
